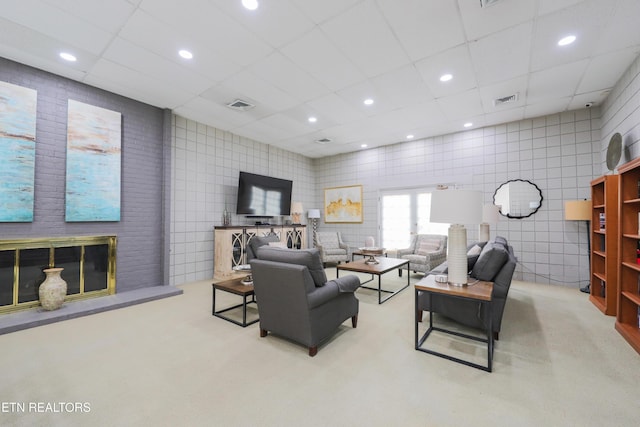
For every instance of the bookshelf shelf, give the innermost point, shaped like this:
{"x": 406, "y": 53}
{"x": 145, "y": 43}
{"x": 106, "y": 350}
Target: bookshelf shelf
{"x": 604, "y": 247}
{"x": 628, "y": 312}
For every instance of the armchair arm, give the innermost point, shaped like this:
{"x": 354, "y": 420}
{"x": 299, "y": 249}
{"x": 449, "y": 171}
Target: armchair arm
{"x": 346, "y": 283}
{"x": 405, "y": 251}
{"x": 322, "y": 294}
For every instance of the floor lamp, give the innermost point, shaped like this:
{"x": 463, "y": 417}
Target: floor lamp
{"x": 314, "y": 215}
{"x": 456, "y": 207}
{"x": 580, "y": 210}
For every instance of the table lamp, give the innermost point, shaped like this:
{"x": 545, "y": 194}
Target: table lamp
{"x": 490, "y": 215}
{"x": 456, "y": 207}
{"x": 296, "y": 211}
{"x": 580, "y": 210}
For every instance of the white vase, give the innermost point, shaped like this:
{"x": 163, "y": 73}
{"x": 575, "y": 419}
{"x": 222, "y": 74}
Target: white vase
{"x": 53, "y": 290}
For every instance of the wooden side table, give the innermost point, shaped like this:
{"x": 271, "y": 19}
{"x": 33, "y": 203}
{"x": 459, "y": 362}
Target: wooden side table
{"x": 479, "y": 291}
{"x": 234, "y": 286}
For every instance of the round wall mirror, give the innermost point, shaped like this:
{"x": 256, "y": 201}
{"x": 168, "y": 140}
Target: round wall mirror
{"x": 518, "y": 198}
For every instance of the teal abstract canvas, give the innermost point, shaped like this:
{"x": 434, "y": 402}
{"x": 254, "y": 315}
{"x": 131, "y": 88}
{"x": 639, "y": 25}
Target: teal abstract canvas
{"x": 93, "y": 163}
{"x": 17, "y": 152}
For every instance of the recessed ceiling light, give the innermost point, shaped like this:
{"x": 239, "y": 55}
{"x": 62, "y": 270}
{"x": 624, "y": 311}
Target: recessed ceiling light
{"x": 445, "y": 77}
{"x": 409, "y": 136}
{"x": 185, "y": 54}
{"x": 312, "y": 119}
{"x": 250, "y": 4}
{"x": 566, "y": 40}
{"x": 368, "y": 101}
{"x": 68, "y": 57}
{"x": 363, "y": 146}
{"x": 468, "y": 124}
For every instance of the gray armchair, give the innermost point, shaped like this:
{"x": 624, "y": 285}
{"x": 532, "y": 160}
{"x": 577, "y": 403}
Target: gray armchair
{"x": 296, "y": 301}
{"x": 331, "y": 247}
{"x": 496, "y": 263}
{"x": 425, "y": 252}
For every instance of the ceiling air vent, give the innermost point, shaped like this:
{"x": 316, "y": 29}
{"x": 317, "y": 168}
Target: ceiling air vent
{"x": 487, "y": 3}
{"x": 505, "y": 100}
{"x": 241, "y": 105}
{"x": 323, "y": 141}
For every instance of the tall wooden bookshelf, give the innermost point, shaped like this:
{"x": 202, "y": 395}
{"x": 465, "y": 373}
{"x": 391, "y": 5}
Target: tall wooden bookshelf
{"x": 628, "y": 316}
{"x": 604, "y": 244}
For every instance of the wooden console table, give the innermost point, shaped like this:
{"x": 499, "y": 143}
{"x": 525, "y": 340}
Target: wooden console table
{"x": 479, "y": 291}
{"x": 230, "y": 243}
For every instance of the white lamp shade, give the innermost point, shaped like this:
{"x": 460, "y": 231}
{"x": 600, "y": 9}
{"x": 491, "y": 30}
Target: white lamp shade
{"x": 314, "y": 213}
{"x": 296, "y": 208}
{"x": 456, "y": 206}
{"x": 490, "y": 213}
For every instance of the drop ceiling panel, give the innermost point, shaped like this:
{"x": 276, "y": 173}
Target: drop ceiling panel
{"x": 321, "y": 11}
{"x": 480, "y": 22}
{"x": 223, "y": 95}
{"x": 336, "y": 109}
{"x": 57, "y": 24}
{"x": 276, "y": 22}
{"x": 604, "y": 70}
{"x": 506, "y": 116}
{"x": 586, "y": 21}
{"x": 221, "y": 112}
{"x": 553, "y": 106}
{"x": 549, "y": 6}
{"x": 402, "y": 87}
{"x": 207, "y": 23}
{"x": 365, "y": 37}
{"x": 580, "y": 101}
{"x": 108, "y": 15}
{"x": 131, "y": 56}
{"x": 318, "y": 56}
{"x": 162, "y": 39}
{"x": 560, "y": 81}
{"x": 502, "y": 55}
{"x": 125, "y": 81}
{"x": 455, "y": 61}
{"x": 457, "y": 107}
{"x": 622, "y": 30}
{"x": 288, "y": 126}
{"x": 279, "y": 71}
{"x": 424, "y": 27}
{"x": 489, "y": 94}
{"x": 259, "y": 90}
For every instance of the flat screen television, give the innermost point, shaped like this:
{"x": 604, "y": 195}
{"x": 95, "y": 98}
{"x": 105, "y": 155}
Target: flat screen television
{"x": 263, "y": 196}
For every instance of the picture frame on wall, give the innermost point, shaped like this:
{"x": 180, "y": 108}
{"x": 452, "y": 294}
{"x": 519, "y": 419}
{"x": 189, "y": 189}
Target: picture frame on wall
{"x": 343, "y": 204}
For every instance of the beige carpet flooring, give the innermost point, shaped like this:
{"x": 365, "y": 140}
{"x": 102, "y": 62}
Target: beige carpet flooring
{"x": 559, "y": 362}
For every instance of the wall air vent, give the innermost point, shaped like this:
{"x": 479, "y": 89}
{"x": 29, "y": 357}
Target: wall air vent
{"x": 487, "y": 3}
{"x": 241, "y": 105}
{"x": 505, "y": 100}
{"x": 323, "y": 141}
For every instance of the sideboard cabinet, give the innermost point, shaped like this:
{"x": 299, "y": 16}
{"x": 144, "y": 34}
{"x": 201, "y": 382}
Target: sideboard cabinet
{"x": 231, "y": 243}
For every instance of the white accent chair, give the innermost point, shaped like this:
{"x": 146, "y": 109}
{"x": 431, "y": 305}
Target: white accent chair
{"x": 332, "y": 248}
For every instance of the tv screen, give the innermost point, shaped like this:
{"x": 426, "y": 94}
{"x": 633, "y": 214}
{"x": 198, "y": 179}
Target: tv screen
{"x": 263, "y": 196}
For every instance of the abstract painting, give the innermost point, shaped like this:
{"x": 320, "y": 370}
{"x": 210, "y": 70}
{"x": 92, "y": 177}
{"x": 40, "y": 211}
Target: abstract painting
{"x": 17, "y": 152}
{"x": 93, "y": 163}
{"x": 343, "y": 204}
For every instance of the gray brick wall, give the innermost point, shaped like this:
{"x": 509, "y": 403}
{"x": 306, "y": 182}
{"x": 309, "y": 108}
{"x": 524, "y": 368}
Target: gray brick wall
{"x": 142, "y": 248}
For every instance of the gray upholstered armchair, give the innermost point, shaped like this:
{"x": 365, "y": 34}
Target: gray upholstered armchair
{"x": 331, "y": 247}
{"x": 425, "y": 252}
{"x": 296, "y": 301}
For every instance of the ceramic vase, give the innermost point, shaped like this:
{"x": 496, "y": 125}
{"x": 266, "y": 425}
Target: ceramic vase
{"x": 53, "y": 290}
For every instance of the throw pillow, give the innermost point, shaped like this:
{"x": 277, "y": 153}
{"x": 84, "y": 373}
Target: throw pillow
{"x": 491, "y": 260}
{"x": 475, "y": 250}
{"x": 307, "y": 257}
{"x": 427, "y": 246}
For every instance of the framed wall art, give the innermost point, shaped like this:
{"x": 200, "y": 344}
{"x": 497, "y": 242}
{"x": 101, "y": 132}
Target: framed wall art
{"x": 343, "y": 204}
{"x": 93, "y": 163}
{"x": 17, "y": 152}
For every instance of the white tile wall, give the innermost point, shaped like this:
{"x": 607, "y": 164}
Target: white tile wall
{"x": 621, "y": 113}
{"x": 206, "y": 164}
{"x": 560, "y": 153}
